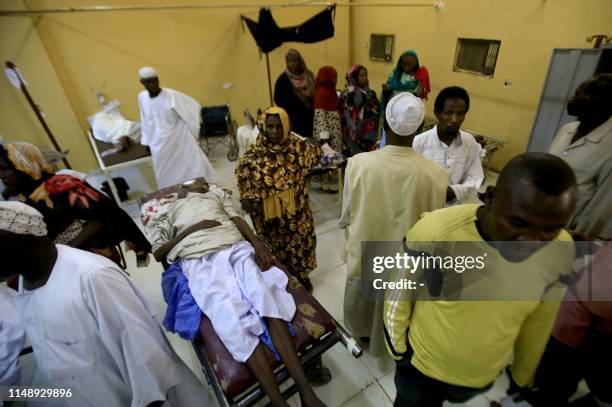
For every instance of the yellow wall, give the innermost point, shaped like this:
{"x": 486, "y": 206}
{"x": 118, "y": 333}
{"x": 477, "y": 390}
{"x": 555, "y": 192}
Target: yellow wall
{"x": 69, "y": 57}
{"x": 194, "y": 51}
{"x": 21, "y": 44}
{"x": 528, "y": 30}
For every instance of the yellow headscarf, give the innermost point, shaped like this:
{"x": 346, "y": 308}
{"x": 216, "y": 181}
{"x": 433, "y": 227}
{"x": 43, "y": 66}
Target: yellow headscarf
{"x": 27, "y": 158}
{"x": 284, "y": 118}
{"x": 279, "y": 201}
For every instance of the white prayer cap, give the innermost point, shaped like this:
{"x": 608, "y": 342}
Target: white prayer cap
{"x": 405, "y": 113}
{"x": 21, "y": 219}
{"x": 147, "y": 72}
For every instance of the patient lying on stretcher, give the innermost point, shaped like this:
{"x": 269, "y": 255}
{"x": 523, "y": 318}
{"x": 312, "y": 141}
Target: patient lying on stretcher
{"x": 231, "y": 278}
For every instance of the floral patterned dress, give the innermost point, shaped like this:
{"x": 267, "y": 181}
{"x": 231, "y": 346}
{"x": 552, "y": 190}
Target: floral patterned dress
{"x": 267, "y": 169}
{"x": 359, "y": 119}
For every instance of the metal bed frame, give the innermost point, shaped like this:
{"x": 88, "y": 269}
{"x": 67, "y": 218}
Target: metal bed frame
{"x": 107, "y": 169}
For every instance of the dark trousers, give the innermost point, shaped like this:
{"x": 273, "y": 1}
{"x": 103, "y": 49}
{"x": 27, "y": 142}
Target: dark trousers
{"x": 414, "y": 389}
{"x": 562, "y": 367}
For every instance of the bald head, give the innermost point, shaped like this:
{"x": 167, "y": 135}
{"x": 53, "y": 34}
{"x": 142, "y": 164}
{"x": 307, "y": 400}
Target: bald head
{"x": 546, "y": 173}
{"x": 533, "y": 200}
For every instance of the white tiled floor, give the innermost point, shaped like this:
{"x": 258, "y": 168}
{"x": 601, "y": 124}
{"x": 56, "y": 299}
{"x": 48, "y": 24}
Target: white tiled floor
{"x": 364, "y": 382}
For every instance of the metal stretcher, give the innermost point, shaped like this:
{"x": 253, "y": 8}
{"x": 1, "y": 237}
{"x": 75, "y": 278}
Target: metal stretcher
{"x": 232, "y": 382}
{"x": 339, "y": 169}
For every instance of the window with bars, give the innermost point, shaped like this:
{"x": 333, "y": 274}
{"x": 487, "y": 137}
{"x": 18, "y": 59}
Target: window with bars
{"x": 476, "y": 56}
{"x": 381, "y": 47}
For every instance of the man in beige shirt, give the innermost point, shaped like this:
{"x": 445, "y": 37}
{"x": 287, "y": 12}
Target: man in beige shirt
{"x": 586, "y": 145}
{"x": 385, "y": 193}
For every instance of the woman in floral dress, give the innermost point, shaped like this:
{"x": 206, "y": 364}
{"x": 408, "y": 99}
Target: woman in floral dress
{"x": 271, "y": 178}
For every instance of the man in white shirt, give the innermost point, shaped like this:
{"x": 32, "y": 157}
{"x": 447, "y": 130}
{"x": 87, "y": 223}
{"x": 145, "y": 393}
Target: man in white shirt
{"x": 451, "y": 148}
{"x": 586, "y": 145}
{"x": 170, "y": 124}
{"x": 90, "y": 327}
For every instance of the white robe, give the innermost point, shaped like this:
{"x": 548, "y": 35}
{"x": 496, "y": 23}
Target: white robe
{"x": 109, "y": 128}
{"x": 92, "y": 330}
{"x": 385, "y": 193}
{"x": 247, "y": 137}
{"x": 12, "y": 337}
{"x": 170, "y": 123}
{"x": 233, "y": 292}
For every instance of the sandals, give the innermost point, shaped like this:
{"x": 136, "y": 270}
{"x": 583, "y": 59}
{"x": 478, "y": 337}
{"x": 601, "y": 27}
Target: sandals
{"x": 317, "y": 374}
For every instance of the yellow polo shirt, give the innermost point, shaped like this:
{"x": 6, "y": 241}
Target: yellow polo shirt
{"x": 468, "y": 343}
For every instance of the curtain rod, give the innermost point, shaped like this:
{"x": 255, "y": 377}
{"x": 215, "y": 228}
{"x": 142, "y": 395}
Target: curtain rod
{"x": 438, "y": 4}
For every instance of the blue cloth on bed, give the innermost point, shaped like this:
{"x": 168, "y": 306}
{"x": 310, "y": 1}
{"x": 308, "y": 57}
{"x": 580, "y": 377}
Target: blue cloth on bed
{"x": 183, "y": 315}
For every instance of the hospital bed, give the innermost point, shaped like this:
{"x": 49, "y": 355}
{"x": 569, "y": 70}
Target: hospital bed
{"x": 490, "y": 145}
{"x": 217, "y": 123}
{"x": 108, "y": 159}
{"x": 135, "y": 155}
{"x": 232, "y": 382}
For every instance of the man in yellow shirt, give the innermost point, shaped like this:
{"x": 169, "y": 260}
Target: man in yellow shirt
{"x": 453, "y": 350}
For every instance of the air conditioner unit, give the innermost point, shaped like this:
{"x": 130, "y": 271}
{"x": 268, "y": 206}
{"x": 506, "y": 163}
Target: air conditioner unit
{"x": 381, "y": 47}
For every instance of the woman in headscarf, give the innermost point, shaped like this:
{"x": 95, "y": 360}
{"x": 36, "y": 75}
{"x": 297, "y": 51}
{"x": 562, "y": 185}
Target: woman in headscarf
{"x": 294, "y": 91}
{"x": 75, "y": 213}
{"x": 408, "y": 76}
{"x": 327, "y": 125}
{"x": 271, "y": 178}
{"x": 359, "y": 107}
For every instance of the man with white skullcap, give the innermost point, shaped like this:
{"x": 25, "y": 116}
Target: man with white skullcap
{"x": 170, "y": 125}
{"x": 90, "y": 327}
{"x": 385, "y": 192}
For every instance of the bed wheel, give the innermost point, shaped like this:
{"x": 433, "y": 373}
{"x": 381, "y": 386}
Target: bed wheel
{"x": 232, "y": 155}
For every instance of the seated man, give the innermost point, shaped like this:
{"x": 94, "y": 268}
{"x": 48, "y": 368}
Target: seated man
{"x": 452, "y": 148}
{"x": 231, "y": 279}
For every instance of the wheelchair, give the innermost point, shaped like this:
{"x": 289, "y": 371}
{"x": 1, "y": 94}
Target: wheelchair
{"x": 217, "y": 124}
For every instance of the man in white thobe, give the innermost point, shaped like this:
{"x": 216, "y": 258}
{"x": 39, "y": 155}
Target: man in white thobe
{"x": 170, "y": 124}
{"x": 90, "y": 327}
{"x": 451, "y": 148}
{"x": 385, "y": 193}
